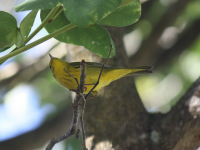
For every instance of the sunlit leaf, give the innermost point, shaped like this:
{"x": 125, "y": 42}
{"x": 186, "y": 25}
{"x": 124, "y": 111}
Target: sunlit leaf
{"x": 80, "y": 12}
{"x": 27, "y": 23}
{"x": 58, "y": 23}
{"x": 3, "y": 49}
{"x": 124, "y": 15}
{"x": 8, "y": 29}
{"x": 86, "y": 12}
{"x": 37, "y": 4}
{"x": 95, "y": 38}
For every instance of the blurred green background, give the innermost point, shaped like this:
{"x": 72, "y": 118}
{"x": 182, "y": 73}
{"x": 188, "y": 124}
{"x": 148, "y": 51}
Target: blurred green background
{"x": 167, "y": 37}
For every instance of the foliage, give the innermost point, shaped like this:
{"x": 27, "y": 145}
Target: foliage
{"x": 183, "y": 64}
{"x": 76, "y": 22}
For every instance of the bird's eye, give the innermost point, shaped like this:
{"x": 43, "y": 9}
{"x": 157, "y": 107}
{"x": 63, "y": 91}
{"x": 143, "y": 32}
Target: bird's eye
{"x": 50, "y": 67}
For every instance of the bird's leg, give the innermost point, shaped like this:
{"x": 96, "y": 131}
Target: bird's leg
{"x": 85, "y": 88}
{"x": 83, "y": 100}
{"x": 77, "y": 91}
{"x": 99, "y": 74}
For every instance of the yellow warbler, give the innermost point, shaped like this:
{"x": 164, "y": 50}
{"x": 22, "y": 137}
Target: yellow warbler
{"x": 109, "y": 74}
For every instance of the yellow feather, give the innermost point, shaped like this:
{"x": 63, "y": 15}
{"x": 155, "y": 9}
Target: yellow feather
{"x": 109, "y": 74}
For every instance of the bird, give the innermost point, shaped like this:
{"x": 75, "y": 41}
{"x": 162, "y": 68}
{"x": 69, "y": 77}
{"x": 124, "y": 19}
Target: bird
{"x": 65, "y": 74}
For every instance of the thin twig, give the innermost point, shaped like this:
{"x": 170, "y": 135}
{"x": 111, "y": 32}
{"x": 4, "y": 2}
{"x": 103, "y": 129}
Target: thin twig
{"x": 74, "y": 123}
{"x": 72, "y": 129}
{"x": 77, "y": 136}
{"x": 99, "y": 74}
{"x": 82, "y": 122}
{"x": 77, "y": 132}
{"x": 56, "y": 15}
{"x": 82, "y": 75}
{"x": 79, "y": 95}
{"x": 83, "y": 102}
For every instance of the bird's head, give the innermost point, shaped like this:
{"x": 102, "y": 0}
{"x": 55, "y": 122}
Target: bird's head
{"x": 51, "y": 65}
{"x": 56, "y": 64}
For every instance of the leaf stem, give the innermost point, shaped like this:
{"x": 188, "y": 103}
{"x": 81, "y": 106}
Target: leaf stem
{"x": 45, "y": 38}
{"x": 43, "y": 24}
{"x": 57, "y": 15}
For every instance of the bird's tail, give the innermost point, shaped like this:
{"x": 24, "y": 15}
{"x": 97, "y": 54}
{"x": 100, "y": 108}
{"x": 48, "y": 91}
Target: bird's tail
{"x": 140, "y": 70}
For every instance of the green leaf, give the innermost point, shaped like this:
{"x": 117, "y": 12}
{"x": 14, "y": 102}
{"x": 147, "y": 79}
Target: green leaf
{"x": 3, "y": 49}
{"x": 27, "y": 23}
{"x": 124, "y": 15}
{"x": 80, "y": 12}
{"x": 19, "y": 40}
{"x": 37, "y": 4}
{"x": 58, "y": 23}
{"x": 8, "y": 29}
{"x": 86, "y": 12}
{"x": 95, "y": 38}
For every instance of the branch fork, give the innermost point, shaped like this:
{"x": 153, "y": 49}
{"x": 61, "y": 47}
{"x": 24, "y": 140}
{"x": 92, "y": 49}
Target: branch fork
{"x": 73, "y": 129}
{"x": 78, "y": 99}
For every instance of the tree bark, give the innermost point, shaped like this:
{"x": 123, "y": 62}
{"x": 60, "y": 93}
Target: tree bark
{"x": 186, "y": 39}
{"x": 148, "y": 53}
{"x": 179, "y": 129}
{"x": 118, "y": 114}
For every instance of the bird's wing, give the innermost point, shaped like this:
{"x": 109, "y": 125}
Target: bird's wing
{"x": 89, "y": 64}
{"x": 98, "y": 65}
{"x": 75, "y": 64}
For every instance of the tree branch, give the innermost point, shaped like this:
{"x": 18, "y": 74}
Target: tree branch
{"x": 117, "y": 112}
{"x": 179, "y": 129}
{"x": 72, "y": 129}
{"x": 37, "y": 42}
{"x": 82, "y": 86}
{"x": 147, "y": 52}
{"x": 186, "y": 39}
{"x": 74, "y": 123}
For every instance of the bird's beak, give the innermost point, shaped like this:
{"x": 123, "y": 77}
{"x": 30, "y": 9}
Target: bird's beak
{"x": 51, "y": 56}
